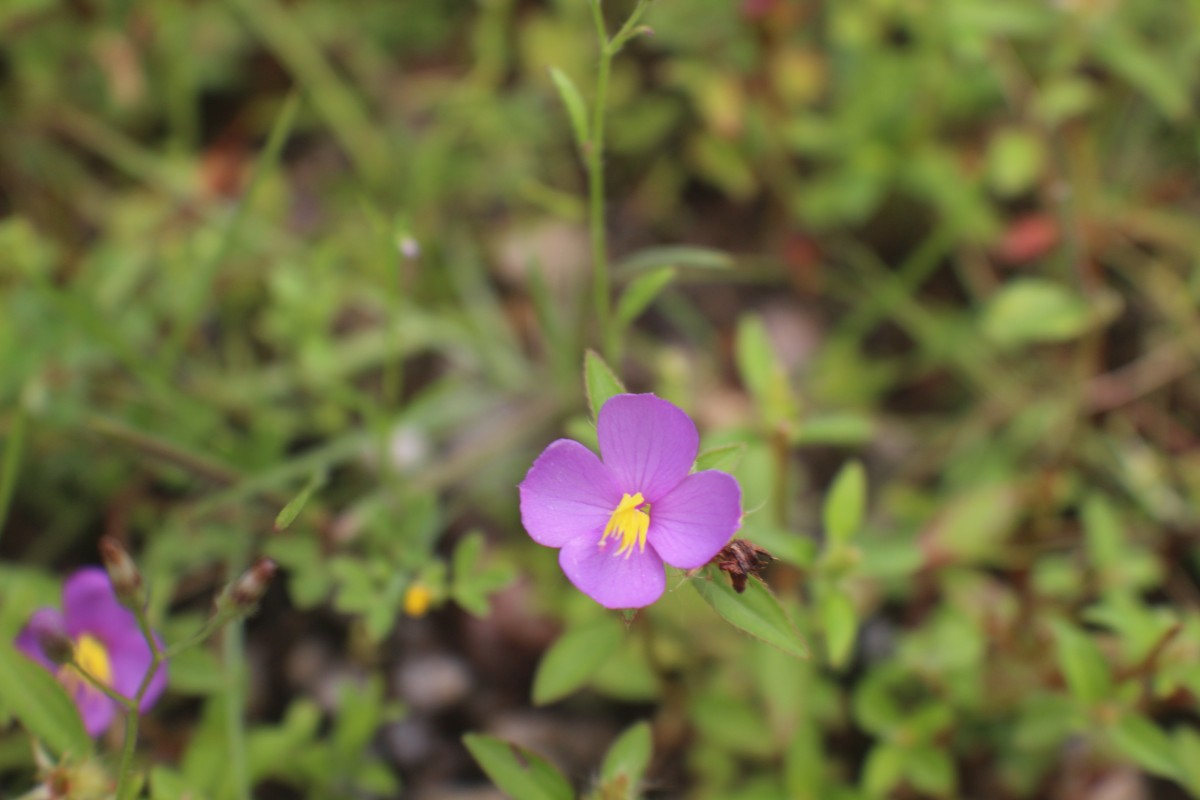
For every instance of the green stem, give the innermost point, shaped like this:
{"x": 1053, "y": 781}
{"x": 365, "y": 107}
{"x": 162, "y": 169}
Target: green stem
{"x": 126, "y": 783}
{"x": 595, "y": 170}
{"x": 13, "y": 449}
{"x": 235, "y": 731}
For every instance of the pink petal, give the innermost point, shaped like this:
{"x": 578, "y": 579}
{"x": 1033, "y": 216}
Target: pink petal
{"x": 648, "y": 443}
{"x": 95, "y": 708}
{"x": 129, "y": 658}
{"x": 90, "y": 606}
{"x": 613, "y": 581}
{"x": 691, "y": 523}
{"x": 567, "y": 494}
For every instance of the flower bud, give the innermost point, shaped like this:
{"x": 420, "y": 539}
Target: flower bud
{"x": 123, "y": 573}
{"x": 417, "y": 599}
{"x": 250, "y": 587}
{"x": 52, "y": 637}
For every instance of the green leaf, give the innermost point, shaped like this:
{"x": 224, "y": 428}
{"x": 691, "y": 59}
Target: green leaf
{"x": 573, "y": 659}
{"x": 840, "y": 622}
{"x": 629, "y": 755}
{"x": 884, "y": 769}
{"x": 289, "y": 513}
{"x": 167, "y": 784}
{"x": 517, "y": 771}
{"x": 725, "y": 457}
{"x": 1102, "y": 532}
{"x": 931, "y": 770}
{"x": 600, "y": 381}
{"x": 846, "y": 502}
{"x": 674, "y": 256}
{"x": 1082, "y": 664}
{"x": 1015, "y": 160}
{"x": 573, "y": 100}
{"x": 755, "y": 611}
{"x": 762, "y": 374}
{"x": 39, "y": 701}
{"x": 847, "y": 429}
{"x": 1141, "y": 64}
{"x": 1147, "y": 745}
{"x": 640, "y": 293}
{"x": 1031, "y": 310}
{"x": 1186, "y": 746}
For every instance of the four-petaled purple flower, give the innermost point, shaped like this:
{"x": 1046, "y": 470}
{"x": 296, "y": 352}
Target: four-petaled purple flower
{"x": 619, "y": 519}
{"x": 107, "y": 643}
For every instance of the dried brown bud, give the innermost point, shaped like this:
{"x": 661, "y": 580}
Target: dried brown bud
{"x": 123, "y": 573}
{"x": 52, "y": 637}
{"x": 741, "y": 559}
{"x": 250, "y": 587}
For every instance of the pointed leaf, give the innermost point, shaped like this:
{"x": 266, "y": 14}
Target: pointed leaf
{"x": 640, "y": 293}
{"x": 516, "y": 771}
{"x": 629, "y": 755}
{"x": 600, "y": 381}
{"x": 845, "y": 502}
{"x": 755, "y": 611}
{"x": 725, "y": 457}
{"x": 840, "y": 621}
{"x": 675, "y": 256}
{"x": 1082, "y": 664}
{"x": 573, "y": 659}
{"x": 573, "y": 100}
{"x": 292, "y": 510}
{"x": 1147, "y": 745}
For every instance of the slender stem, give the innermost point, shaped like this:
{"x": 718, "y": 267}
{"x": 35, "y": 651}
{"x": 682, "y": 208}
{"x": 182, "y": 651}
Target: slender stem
{"x": 97, "y": 684}
{"x": 595, "y": 170}
{"x": 13, "y": 449}
{"x": 126, "y": 783}
{"x": 235, "y": 732}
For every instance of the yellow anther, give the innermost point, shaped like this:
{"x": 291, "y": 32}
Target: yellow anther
{"x": 630, "y": 522}
{"x": 92, "y": 658}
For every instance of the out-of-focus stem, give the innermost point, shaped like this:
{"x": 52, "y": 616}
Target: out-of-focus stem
{"x": 595, "y": 170}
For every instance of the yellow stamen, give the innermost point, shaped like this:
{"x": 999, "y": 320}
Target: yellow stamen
{"x": 629, "y": 522}
{"x": 91, "y": 656}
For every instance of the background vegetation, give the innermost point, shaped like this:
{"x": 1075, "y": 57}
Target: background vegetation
{"x": 253, "y": 249}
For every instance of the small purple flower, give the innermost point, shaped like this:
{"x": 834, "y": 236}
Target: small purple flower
{"x": 107, "y": 643}
{"x": 619, "y": 519}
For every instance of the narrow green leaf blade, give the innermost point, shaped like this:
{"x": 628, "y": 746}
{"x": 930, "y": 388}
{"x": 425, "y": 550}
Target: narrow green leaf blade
{"x": 573, "y": 659}
{"x": 640, "y": 293}
{"x": 846, "y": 502}
{"x": 675, "y": 256}
{"x": 1082, "y": 663}
{"x": 1147, "y": 745}
{"x": 292, "y": 510}
{"x": 840, "y": 622}
{"x": 762, "y": 374}
{"x": 725, "y": 457}
{"x": 517, "y": 771}
{"x": 573, "y": 100}
{"x": 755, "y": 611}
{"x": 629, "y": 755}
{"x": 599, "y": 381}
{"x": 41, "y": 704}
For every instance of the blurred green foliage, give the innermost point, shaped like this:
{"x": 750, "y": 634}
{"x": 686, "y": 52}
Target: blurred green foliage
{"x": 247, "y": 243}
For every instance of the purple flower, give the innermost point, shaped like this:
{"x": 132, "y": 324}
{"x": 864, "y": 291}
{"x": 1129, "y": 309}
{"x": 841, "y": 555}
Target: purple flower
{"x": 107, "y": 643}
{"x": 619, "y": 519}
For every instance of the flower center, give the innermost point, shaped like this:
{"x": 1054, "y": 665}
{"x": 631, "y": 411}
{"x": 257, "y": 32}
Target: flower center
{"x": 630, "y": 522}
{"x": 93, "y": 658}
